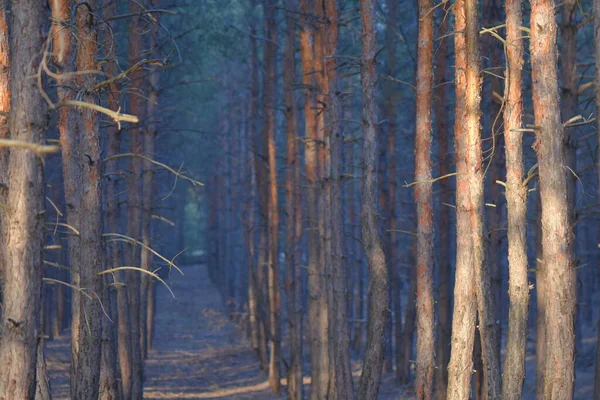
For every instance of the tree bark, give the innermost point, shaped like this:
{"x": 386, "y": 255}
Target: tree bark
{"x": 4, "y": 132}
{"x": 24, "y": 225}
{"x": 516, "y": 198}
{"x": 273, "y": 212}
{"x": 293, "y": 225}
{"x": 468, "y": 211}
{"x": 86, "y": 335}
{"x": 134, "y": 209}
{"x": 556, "y": 232}
{"x": 319, "y": 357}
{"x": 340, "y": 373}
{"x": 378, "y": 285}
{"x": 425, "y": 362}
{"x": 114, "y": 254}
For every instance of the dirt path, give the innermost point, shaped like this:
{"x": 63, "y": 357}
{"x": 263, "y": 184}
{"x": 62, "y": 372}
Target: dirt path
{"x": 198, "y": 352}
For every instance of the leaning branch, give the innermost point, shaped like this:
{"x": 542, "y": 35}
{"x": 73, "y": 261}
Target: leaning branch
{"x": 164, "y": 166}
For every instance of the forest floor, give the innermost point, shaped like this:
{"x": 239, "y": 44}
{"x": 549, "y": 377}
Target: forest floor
{"x": 200, "y": 353}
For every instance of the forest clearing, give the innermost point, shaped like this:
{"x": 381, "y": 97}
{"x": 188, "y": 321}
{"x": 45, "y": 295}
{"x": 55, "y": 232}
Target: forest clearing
{"x": 301, "y": 199}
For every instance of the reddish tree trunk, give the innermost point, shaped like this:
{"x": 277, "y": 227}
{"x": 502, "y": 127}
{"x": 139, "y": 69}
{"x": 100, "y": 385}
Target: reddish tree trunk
{"x": 516, "y": 198}
{"x": 424, "y": 200}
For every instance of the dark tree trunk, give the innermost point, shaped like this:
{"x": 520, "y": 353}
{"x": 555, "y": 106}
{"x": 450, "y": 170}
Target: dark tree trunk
{"x": 378, "y": 285}
{"x": 293, "y": 226}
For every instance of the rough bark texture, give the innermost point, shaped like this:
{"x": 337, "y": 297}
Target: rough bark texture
{"x": 442, "y": 123}
{"x": 134, "y": 209}
{"x": 378, "y": 285}
{"x": 24, "y": 224}
{"x": 475, "y": 210}
{"x": 293, "y": 225}
{"x": 516, "y": 198}
{"x": 86, "y": 335}
{"x": 273, "y": 211}
{"x": 556, "y": 233}
{"x": 425, "y": 362}
{"x": 467, "y": 233}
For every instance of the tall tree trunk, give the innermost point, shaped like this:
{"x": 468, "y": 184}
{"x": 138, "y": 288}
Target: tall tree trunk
{"x": 293, "y": 226}
{"x": 556, "y": 232}
{"x": 516, "y": 198}
{"x": 86, "y": 335}
{"x": 568, "y": 108}
{"x": 273, "y": 212}
{"x": 442, "y": 122}
{"x": 475, "y": 210}
{"x": 340, "y": 373}
{"x": 134, "y": 208}
{"x": 424, "y": 200}
{"x": 147, "y": 284}
{"x": 319, "y": 357}
{"x": 468, "y": 232}
{"x": 24, "y": 225}
{"x": 252, "y": 181}
{"x": 114, "y": 255}
{"x": 378, "y": 285}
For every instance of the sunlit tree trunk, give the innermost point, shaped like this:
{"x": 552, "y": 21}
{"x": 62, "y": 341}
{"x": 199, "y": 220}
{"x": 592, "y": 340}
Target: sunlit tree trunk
{"x": 516, "y": 198}
{"x": 424, "y": 200}
{"x": 24, "y": 224}
{"x": 378, "y": 285}
{"x": 442, "y": 124}
{"x": 468, "y": 257}
{"x": 556, "y": 234}
{"x": 293, "y": 225}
